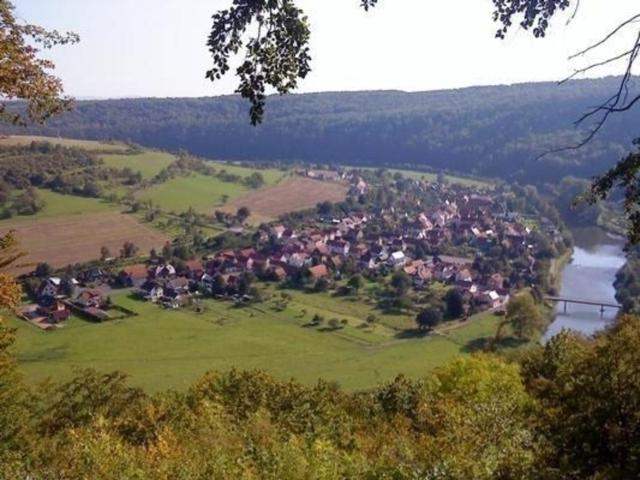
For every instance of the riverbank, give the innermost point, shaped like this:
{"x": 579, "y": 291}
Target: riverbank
{"x": 557, "y": 266}
{"x": 587, "y": 272}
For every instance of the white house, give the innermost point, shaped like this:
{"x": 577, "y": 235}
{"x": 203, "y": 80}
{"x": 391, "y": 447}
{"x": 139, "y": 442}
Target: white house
{"x": 397, "y": 259}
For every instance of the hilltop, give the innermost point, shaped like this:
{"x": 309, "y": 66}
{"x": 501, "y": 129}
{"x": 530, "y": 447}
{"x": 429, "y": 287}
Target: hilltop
{"x": 488, "y": 131}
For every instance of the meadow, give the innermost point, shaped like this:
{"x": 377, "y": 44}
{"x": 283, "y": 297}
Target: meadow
{"x": 432, "y": 177}
{"x": 454, "y": 179}
{"x": 163, "y": 349}
{"x": 58, "y": 205}
{"x": 203, "y": 193}
{"x": 148, "y": 163}
{"x": 90, "y": 145}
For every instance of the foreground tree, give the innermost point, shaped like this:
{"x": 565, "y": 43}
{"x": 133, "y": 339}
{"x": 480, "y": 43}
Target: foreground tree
{"x": 523, "y": 316}
{"x": 13, "y": 410}
{"x": 588, "y": 399}
{"x": 24, "y": 75}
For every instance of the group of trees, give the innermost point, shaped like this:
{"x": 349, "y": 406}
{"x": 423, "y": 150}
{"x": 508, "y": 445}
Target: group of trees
{"x": 627, "y": 283}
{"x": 563, "y": 411}
{"x": 186, "y": 164}
{"x": 44, "y": 165}
{"x": 486, "y": 131}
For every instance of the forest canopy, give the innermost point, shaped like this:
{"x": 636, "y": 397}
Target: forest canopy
{"x": 489, "y": 131}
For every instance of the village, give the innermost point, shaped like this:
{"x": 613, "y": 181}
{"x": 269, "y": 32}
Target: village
{"x": 459, "y": 237}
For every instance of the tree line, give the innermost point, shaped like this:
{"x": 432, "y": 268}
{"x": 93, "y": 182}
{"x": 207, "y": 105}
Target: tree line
{"x": 566, "y": 410}
{"x": 489, "y": 131}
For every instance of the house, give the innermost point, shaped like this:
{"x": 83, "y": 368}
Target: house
{"x": 464, "y": 275}
{"x": 490, "y": 298}
{"x": 297, "y": 260}
{"x": 151, "y": 291}
{"x": 132, "y": 276}
{"x": 496, "y": 281}
{"x": 164, "y": 270}
{"x": 361, "y": 186}
{"x": 89, "y": 299}
{"x": 397, "y": 259}
{"x": 338, "y": 247}
{"x": 51, "y": 287}
{"x": 92, "y": 275}
{"x": 195, "y": 267}
{"x": 319, "y": 271}
{"x": 277, "y": 273}
{"x": 53, "y": 310}
{"x": 278, "y": 231}
{"x": 179, "y": 285}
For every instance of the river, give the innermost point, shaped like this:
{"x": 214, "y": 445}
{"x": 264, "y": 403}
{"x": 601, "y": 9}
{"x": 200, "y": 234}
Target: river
{"x": 596, "y": 258}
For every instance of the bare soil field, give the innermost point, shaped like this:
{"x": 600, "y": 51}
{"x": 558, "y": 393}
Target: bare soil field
{"x": 71, "y": 239}
{"x": 295, "y": 193}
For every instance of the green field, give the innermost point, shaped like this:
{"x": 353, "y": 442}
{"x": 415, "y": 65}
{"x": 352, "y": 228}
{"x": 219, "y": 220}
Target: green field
{"x": 65, "y": 142}
{"x": 202, "y": 193}
{"x": 58, "y": 204}
{"x": 271, "y": 175}
{"x": 432, "y": 177}
{"x": 169, "y": 349}
{"x": 148, "y": 163}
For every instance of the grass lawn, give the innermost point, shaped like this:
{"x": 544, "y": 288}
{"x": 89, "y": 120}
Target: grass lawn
{"x": 147, "y": 163}
{"x": 271, "y": 175}
{"x": 201, "y": 192}
{"x": 432, "y": 177}
{"x": 58, "y": 204}
{"x": 163, "y": 349}
{"x": 65, "y": 142}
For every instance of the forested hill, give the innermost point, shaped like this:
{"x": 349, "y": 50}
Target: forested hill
{"x": 489, "y": 131}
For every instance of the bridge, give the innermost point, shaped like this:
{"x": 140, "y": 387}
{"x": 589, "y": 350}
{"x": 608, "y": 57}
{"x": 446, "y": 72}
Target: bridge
{"x": 578, "y": 301}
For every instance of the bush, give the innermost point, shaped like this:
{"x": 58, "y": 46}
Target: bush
{"x": 334, "y": 324}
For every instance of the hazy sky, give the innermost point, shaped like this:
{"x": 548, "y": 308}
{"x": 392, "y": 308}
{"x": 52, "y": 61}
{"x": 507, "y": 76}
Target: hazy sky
{"x": 157, "y": 47}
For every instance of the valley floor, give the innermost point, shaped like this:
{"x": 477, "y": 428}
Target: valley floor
{"x": 163, "y": 349}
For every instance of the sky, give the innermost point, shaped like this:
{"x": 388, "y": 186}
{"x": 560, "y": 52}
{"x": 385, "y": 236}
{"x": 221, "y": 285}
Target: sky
{"x": 157, "y": 48}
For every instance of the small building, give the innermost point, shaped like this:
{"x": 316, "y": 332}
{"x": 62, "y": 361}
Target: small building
{"x": 89, "y": 299}
{"x": 397, "y": 259}
{"x": 53, "y": 310}
{"x": 319, "y": 271}
{"x": 132, "y": 276}
{"x": 51, "y": 287}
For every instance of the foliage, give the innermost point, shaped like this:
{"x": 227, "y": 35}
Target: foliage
{"x": 531, "y": 119}
{"x": 455, "y": 303}
{"x": 25, "y": 75}
{"x": 274, "y": 36}
{"x": 129, "y": 250}
{"x": 568, "y": 410}
{"x": 588, "y": 401}
{"x": 356, "y": 282}
{"x": 12, "y": 392}
{"x": 627, "y": 283}
{"x": 534, "y": 14}
{"x": 277, "y": 56}
{"x": 625, "y": 177}
{"x": 523, "y": 316}
{"x": 429, "y": 318}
